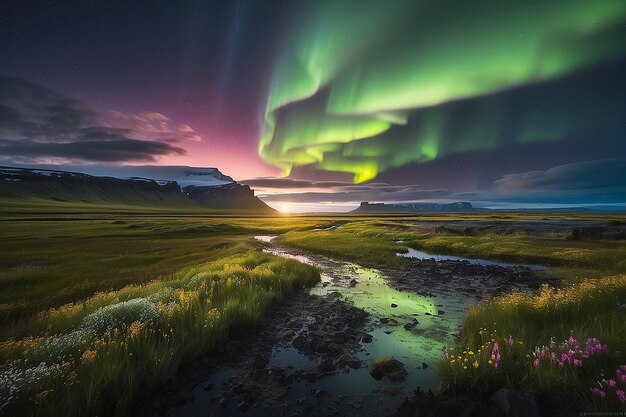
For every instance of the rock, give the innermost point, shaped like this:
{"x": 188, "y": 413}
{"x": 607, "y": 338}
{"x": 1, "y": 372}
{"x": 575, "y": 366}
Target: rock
{"x": 411, "y": 324}
{"x": 223, "y": 402}
{"x": 319, "y": 393}
{"x": 440, "y": 312}
{"x": 424, "y": 365}
{"x": 515, "y": 403}
{"x": 352, "y": 283}
{"x": 299, "y": 342}
{"x": 259, "y": 362}
{"x": 243, "y": 406}
{"x": 351, "y": 361}
{"x": 394, "y": 305}
{"x": 325, "y": 364}
{"x": 208, "y": 387}
{"x": 286, "y": 334}
{"x": 392, "y": 368}
{"x": 367, "y": 338}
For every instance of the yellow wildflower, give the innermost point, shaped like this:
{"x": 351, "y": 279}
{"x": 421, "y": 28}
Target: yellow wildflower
{"x": 88, "y": 356}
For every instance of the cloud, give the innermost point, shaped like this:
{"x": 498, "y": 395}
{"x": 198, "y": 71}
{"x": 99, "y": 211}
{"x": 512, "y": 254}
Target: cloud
{"x": 593, "y": 182}
{"x": 273, "y": 190}
{"x": 599, "y": 181}
{"x": 97, "y": 150}
{"x": 153, "y": 125}
{"x": 282, "y": 183}
{"x": 38, "y": 125}
{"x": 589, "y": 175}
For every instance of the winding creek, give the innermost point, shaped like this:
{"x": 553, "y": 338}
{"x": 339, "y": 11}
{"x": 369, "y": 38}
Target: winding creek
{"x": 413, "y": 313}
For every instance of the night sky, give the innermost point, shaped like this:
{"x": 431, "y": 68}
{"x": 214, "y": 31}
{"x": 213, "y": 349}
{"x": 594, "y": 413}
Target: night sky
{"x": 321, "y": 104}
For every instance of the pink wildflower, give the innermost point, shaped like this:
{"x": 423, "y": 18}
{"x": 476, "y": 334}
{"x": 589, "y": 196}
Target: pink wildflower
{"x": 577, "y": 362}
{"x": 598, "y": 392}
{"x": 611, "y": 383}
{"x": 495, "y": 355}
{"x": 621, "y": 396}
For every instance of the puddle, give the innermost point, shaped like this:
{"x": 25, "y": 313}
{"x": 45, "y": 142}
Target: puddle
{"x": 290, "y": 358}
{"x": 324, "y": 229}
{"x": 265, "y": 238}
{"x": 416, "y": 254}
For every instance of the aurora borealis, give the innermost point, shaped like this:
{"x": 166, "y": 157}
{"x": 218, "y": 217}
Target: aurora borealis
{"x": 384, "y": 90}
{"x": 327, "y": 102}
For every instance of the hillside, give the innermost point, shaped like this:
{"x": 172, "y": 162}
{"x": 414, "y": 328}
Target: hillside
{"x": 32, "y": 189}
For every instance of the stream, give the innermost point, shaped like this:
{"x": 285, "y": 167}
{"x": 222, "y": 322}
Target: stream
{"x": 315, "y": 354}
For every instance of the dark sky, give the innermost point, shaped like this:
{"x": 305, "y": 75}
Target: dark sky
{"x": 498, "y": 103}
{"x": 205, "y": 64}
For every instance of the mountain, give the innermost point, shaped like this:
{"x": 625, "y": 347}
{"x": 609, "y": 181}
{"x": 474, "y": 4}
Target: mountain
{"x": 183, "y": 175}
{"x": 21, "y": 187}
{"x": 459, "y": 207}
{"x": 226, "y": 196}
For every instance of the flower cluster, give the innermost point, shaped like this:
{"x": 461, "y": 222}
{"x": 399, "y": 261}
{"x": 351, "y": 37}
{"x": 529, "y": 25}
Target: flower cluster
{"x": 489, "y": 353}
{"x": 119, "y": 315}
{"x": 15, "y": 379}
{"x": 613, "y": 388}
{"x": 495, "y": 355}
{"x": 570, "y": 352}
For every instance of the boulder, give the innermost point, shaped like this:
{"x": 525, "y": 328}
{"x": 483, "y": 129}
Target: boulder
{"x": 514, "y": 403}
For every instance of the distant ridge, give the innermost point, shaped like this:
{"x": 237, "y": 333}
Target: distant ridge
{"x": 458, "y": 207}
{"x": 41, "y": 187}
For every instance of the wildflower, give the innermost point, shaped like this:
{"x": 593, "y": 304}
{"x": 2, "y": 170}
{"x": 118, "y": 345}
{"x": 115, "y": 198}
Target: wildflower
{"x": 577, "y": 362}
{"x": 510, "y": 341}
{"x": 495, "y": 355}
{"x": 88, "y": 356}
{"x": 598, "y": 393}
{"x": 475, "y": 364}
{"x": 621, "y": 396}
{"x": 611, "y": 383}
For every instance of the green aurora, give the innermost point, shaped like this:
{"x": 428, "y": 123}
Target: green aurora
{"x": 365, "y": 85}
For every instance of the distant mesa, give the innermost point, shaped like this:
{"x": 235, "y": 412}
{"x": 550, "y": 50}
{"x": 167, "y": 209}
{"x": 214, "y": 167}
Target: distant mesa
{"x": 227, "y": 196}
{"x": 218, "y": 191}
{"x": 458, "y": 207}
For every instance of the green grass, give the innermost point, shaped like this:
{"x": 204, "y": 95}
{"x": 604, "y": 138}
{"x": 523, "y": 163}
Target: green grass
{"x": 372, "y": 241}
{"x": 49, "y": 261}
{"x": 94, "y": 355}
{"x": 366, "y": 241}
{"x": 112, "y": 301}
{"x": 584, "y": 310}
{"x": 605, "y": 256}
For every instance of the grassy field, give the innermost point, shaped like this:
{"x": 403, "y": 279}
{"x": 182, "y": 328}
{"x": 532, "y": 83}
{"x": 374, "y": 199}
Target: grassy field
{"x": 113, "y": 301}
{"x": 94, "y": 309}
{"x": 374, "y": 241}
{"x": 528, "y": 334}
{"x": 568, "y": 342}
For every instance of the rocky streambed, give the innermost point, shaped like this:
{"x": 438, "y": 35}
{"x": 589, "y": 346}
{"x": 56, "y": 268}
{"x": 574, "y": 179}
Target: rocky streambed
{"x": 315, "y": 353}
